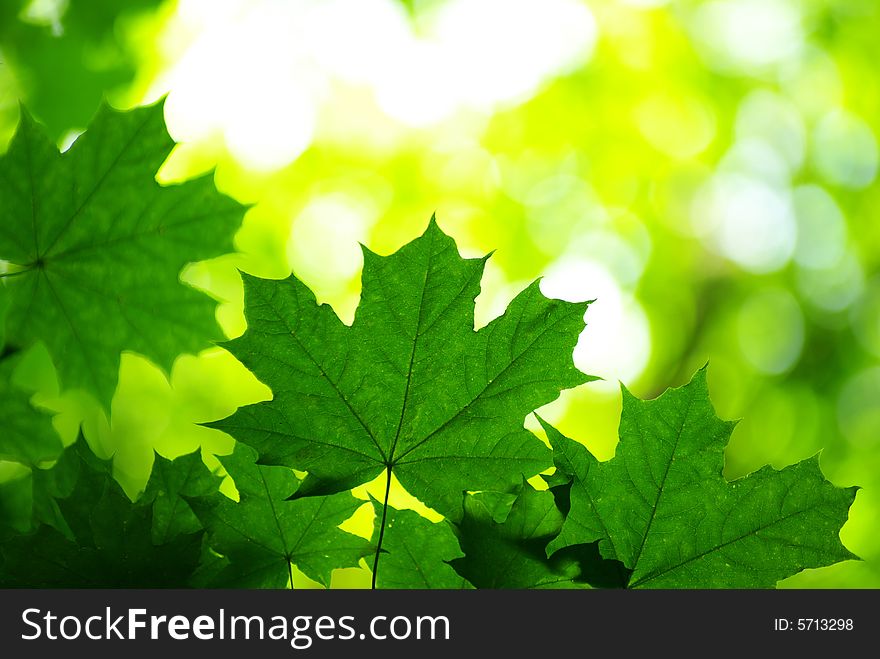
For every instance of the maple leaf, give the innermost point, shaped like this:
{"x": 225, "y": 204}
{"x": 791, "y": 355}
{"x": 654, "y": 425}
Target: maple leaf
{"x": 98, "y": 246}
{"x": 30, "y": 500}
{"x": 504, "y": 539}
{"x": 416, "y": 551}
{"x": 263, "y": 533}
{"x": 106, "y": 541}
{"x": 409, "y": 387}
{"x": 662, "y": 507}
{"x": 27, "y": 434}
{"x": 171, "y": 484}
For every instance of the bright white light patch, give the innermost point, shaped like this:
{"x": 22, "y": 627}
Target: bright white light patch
{"x": 758, "y": 159}
{"x": 252, "y": 129}
{"x": 617, "y": 341}
{"x": 478, "y": 54}
{"x": 323, "y": 249}
{"x": 747, "y": 220}
{"x": 357, "y": 40}
{"x": 502, "y": 50}
{"x": 646, "y": 4}
{"x": 258, "y": 72}
{"x": 244, "y": 79}
{"x": 747, "y": 34}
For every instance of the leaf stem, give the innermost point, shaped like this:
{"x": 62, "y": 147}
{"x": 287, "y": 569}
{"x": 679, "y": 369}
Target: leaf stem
{"x": 382, "y": 527}
{"x": 290, "y": 572}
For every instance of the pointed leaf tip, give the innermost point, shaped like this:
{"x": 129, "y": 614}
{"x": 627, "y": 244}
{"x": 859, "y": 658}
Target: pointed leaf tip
{"x": 370, "y": 387}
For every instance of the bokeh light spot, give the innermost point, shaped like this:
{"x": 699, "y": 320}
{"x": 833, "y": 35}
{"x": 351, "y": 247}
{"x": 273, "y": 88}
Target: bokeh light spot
{"x": 747, "y": 34}
{"x": 747, "y": 220}
{"x": 617, "y": 341}
{"x": 845, "y": 151}
{"x": 821, "y": 231}
{"x": 773, "y": 120}
{"x": 770, "y": 328}
{"x": 677, "y": 125}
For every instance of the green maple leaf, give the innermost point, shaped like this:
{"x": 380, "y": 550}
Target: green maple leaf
{"x": 504, "y": 538}
{"x": 171, "y": 484}
{"x": 106, "y": 541}
{"x": 46, "y": 487}
{"x": 662, "y": 507}
{"x": 99, "y": 245}
{"x": 416, "y": 551}
{"x": 263, "y": 533}
{"x": 409, "y": 387}
{"x": 27, "y": 435}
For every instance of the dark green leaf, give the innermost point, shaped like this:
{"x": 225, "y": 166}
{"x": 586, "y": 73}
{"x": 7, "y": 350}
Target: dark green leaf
{"x": 211, "y": 565}
{"x": 108, "y": 543}
{"x": 65, "y": 69}
{"x": 30, "y": 500}
{"x": 504, "y": 539}
{"x": 262, "y": 534}
{"x": 171, "y": 482}
{"x": 101, "y": 246}
{"x": 47, "y": 559}
{"x": 26, "y": 433}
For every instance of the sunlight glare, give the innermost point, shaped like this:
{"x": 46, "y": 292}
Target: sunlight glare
{"x": 616, "y": 342}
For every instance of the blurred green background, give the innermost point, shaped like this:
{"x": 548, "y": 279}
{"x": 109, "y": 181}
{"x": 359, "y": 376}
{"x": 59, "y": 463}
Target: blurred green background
{"x": 707, "y": 170}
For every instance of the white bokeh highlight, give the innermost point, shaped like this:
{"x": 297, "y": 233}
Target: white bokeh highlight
{"x": 258, "y": 73}
{"x": 616, "y": 343}
{"x": 845, "y": 151}
{"x": 747, "y": 220}
{"x": 747, "y": 35}
{"x": 324, "y": 245}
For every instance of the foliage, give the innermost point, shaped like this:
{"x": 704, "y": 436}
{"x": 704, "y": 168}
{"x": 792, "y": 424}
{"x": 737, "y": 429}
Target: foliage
{"x": 416, "y": 552}
{"x": 264, "y": 534}
{"x": 663, "y": 509}
{"x": 504, "y": 537}
{"x": 349, "y": 402}
{"x": 99, "y": 538}
{"x": 28, "y": 437}
{"x": 97, "y": 247}
{"x": 77, "y": 56}
{"x": 409, "y": 389}
{"x": 707, "y": 170}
